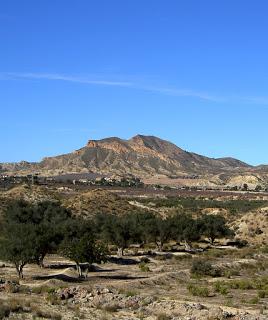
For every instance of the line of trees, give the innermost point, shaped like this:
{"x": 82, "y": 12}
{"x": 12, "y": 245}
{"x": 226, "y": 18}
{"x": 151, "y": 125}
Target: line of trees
{"x": 144, "y": 228}
{"x": 31, "y": 231}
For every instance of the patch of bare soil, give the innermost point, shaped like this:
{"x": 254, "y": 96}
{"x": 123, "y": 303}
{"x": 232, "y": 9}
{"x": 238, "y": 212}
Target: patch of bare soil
{"x": 163, "y": 287}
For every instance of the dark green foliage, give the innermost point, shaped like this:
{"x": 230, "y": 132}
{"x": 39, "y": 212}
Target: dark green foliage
{"x": 160, "y": 231}
{"x": 214, "y": 227}
{"x": 45, "y": 219}
{"x": 18, "y": 245}
{"x": 50, "y": 227}
{"x": 204, "y": 268}
{"x": 80, "y": 245}
{"x": 117, "y": 230}
{"x": 198, "y": 291}
{"x": 193, "y": 205}
{"x": 185, "y": 228}
{"x": 31, "y": 231}
{"x": 143, "y": 225}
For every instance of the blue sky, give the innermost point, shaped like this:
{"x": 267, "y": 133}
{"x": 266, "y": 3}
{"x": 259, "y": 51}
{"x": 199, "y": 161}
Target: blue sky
{"x": 192, "y": 72}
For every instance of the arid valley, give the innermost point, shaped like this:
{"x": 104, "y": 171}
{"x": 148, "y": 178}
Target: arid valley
{"x": 224, "y": 280}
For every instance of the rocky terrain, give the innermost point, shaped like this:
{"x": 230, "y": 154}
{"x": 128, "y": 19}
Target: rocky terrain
{"x": 152, "y": 159}
{"x": 166, "y": 289}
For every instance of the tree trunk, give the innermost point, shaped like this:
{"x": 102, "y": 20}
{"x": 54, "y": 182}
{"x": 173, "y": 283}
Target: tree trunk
{"x": 21, "y": 272}
{"x": 120, "y": 252}
{"x": 187, "y": 246}
{"x": 41, "y": 261}
{"x": 87, "y": 271}
{"x": 79, "y": 270}
{"x": 160, "y": 246}
{"x": 211, "y": 240}
{"x": 19, "y": 269}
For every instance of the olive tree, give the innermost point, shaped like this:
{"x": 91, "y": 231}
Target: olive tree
{"x": 80, "y": 244}
{"x": 119, "y": 230}
{"x": 214, "y": 227}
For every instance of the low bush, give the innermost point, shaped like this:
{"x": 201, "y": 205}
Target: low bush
{"x": 52, "y": 298}
{"x": 43, "y": 289}
{"x": 13, "y": 305}
{"x": 144, "y": 267}
{"x": 130, "y": 293}
{"x": 4, "y": 310}
{"x": 197, "y": 290}
{"x": 221, "y": 287}
{"x": 204, "y": 268}
{"x": 241, "y": 284}
{"x": 163, "y": 316}
{"x": 228, "y": 273}
{"x": 262, "y": 294}
{"x": 254, "y": 300}
{"x": 145, "y": 259}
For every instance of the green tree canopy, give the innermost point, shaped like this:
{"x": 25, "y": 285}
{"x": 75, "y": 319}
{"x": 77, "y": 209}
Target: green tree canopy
{"x": 214, "y": 227}
{"x": 80, "y": 244}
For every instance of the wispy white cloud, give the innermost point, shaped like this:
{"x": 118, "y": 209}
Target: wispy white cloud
{"x": 86, "y": 80}
{"x": 171, "y": 91}
{"x": 182, "y": 93}
{"x": 62, "y": 77}
{"x": 261, "y": 100}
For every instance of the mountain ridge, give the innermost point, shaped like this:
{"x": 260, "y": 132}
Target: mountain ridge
{"x": 142, "y": 156}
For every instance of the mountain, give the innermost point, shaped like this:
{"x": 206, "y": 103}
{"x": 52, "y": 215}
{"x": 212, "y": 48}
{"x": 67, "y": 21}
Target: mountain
{"x": 147, "y": 157}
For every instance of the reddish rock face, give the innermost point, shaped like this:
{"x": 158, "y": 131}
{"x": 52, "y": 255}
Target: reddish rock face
{"x": 92, "y": 144}
{"x": 146, "y": 157}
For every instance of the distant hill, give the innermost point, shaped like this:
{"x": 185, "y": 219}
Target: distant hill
{"x": 147, "y": 157}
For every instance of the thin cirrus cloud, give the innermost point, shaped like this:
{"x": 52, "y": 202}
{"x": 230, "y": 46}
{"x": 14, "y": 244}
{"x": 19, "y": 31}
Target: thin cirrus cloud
{"x": 60, "y": 77}
{"x": 171, "y": 91}
{"x": 101, "y": 82}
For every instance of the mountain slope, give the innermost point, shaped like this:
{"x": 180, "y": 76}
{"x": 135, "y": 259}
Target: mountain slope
{"x": 142, "y": 156}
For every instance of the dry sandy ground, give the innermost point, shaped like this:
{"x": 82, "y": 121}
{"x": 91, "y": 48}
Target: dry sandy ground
{"x": 122, "y": 290}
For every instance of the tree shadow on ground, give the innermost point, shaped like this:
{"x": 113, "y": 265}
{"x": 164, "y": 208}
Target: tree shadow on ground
{"x": 84, "y": 266}
{"x": 58, "y": 266}
{"x": 120, "y": 277}
{"x": 123, "y": 261}
{"x": 60, "y": 276}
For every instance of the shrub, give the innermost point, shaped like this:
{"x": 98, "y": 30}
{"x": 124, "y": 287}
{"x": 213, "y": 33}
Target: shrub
{"x": 13, "y": 305}
{"x": 198, "y": 291}
{"x": 221, "y": 287}
{"x": 52, "y": 298}
{"x": 145, "y": 259}
{"x": 254, "y": 300}
{"x": 162, "y": 316}
{"x": 144, "y": 267}
{"x": 241, "y": 284}
{"x": 43, "y": 289}
{"x": 130, "y": 293}
{"x": 204, "y": 268}
{"x": 230, "y": 273}
{"x": 4, "y": 311}
{"x": 261, "y": 294}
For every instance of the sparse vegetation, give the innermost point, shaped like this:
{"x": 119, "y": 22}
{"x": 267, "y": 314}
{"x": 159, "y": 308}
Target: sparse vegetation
{"x": 144, "y": 267}
{"x": 197, "y": 290}
{"x": 204, "y": 268}
{"x": 180, "y": 233}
